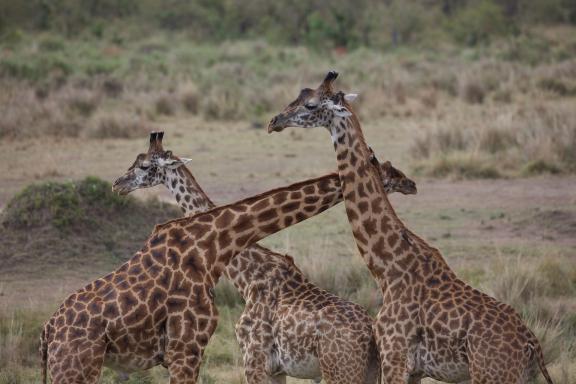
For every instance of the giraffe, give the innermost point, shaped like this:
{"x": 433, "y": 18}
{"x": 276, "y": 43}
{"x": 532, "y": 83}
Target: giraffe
{"x": 431, "y": 324}
{"x": 157, "y": 308}
{"x": 289, "y": 325}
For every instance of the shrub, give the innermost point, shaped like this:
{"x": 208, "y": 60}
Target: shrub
{"x": 558, "y": 278}
{"x": 556, "y": 86}
{"x": 83, "y": 103}
{"x": 112, "y": 87}
{"x": 538, "y": 167}
{"x": 479, "y": 22}
{"x": 118, "y": 126}
{"x": 51, "y": 44}
{"x": 165, "y": 105}
{"x": 464, "y": 167}
{"x": 493, "y": 140}
{"x": 540, "y": 139}
{"x": 59, "y": 204}
{"x": 472, "y": 92}
{"x": 190, "y": 101}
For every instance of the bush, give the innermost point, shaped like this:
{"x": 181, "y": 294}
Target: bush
{"x": 60, "y": 204}
{"x": 557, "y": 86}
{"x": 525, "y": 142}
{"x": 118, "y": 126}
{"x": 538, "y": 167}
{"x": 472, "y": 92}
{"x": 479, "y": 22}
{"x": 462, "y": 167}
{"x": 165, "y": 105}
{"x": 493, "y": 140}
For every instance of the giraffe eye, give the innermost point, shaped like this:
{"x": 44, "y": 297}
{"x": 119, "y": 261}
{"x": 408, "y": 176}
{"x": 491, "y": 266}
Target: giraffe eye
{"x": 145, "y": 166}
{"x": 310, "y": 107}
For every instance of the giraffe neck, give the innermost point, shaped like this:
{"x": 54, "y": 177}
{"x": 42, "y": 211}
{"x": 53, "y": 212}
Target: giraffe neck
{"x": 218, "y": 235}
{"x": 247, "y": 265}
{"x": 387, "y": 247}
{"x": 190, "y": 197}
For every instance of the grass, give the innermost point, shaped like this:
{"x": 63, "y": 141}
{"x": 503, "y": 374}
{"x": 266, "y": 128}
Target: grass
{"x": 105, "y": 88}
{"x": 516, "y": 141}
{"x": 542, "y": 292}
{"x": 499, "y": 110}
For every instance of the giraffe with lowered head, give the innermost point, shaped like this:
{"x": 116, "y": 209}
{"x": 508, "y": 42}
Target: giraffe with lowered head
{"x": 289, "y": 325}
{"x": 431, "y": 324}
{"x": 157, "y": 308}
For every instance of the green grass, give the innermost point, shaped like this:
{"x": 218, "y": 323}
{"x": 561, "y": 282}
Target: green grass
{"x": 541, "y": 291}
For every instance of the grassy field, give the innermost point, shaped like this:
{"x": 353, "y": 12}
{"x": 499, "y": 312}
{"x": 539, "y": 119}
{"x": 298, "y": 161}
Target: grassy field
{"x": 488, "y": 133}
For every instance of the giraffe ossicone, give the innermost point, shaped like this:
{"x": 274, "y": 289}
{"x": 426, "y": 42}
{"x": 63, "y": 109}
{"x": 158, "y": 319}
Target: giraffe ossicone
{"x": 431, "y": 324}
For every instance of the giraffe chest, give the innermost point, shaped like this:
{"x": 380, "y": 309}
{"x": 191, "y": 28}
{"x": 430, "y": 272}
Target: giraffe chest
{"x": 131, "y": 350}
{"x": 439, "y": 359}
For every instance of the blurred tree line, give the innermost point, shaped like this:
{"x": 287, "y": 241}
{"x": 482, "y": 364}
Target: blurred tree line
{"x": 332, "y": 23}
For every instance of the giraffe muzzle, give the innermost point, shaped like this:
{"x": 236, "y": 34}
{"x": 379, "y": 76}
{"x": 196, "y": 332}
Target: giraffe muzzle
{"x": 276, "y": 124}
{"x": 119, "y": 187}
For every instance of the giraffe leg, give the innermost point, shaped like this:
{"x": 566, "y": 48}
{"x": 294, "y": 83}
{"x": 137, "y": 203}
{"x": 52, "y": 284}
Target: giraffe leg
{"x": 346, "y": 359}
{"x": 76, "y": 362}
{"x": 185, "y": 344}
{"x": 492, "y": 366}
{"x": 184, "y": 370}
{"x": 255, "y": 339}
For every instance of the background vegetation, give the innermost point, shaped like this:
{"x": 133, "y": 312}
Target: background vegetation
{"x": 103, "y": 68}
{"x": 452, "y": 89}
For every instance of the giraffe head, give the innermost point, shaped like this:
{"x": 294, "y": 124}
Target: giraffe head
{"x": 149, "y": 169}
{"x": 396, "y": 181}
{"x": 313, "y": 107}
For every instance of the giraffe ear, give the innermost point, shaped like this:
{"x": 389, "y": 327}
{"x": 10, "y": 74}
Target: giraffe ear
{"x": 175, "y": 163}
{"x": 341, "y": 111}
{"x": 350, "y": 97}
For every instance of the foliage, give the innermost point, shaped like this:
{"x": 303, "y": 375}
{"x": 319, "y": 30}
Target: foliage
{"x": 326, "y": 23}
{"x": 61, "y": 204}
{"x": 479, "y": 22}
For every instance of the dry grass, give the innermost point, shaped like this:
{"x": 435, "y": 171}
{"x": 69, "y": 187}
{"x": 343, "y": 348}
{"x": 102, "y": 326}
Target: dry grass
{"x": 523, "y": 283}
{"x": 118, "y": 126}
{"x": 483, "y": 101}
{"x": 530, "y": 139}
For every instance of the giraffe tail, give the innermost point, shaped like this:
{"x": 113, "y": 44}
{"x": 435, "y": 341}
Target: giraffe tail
{"x": 539, "y": 356}
{"x": 44, "y": 354}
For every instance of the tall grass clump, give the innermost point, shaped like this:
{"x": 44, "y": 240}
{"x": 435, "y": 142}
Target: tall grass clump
{"x": 524, "y": 141}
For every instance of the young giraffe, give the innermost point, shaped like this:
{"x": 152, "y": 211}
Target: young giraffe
{"x": 289, "y": 325}
{"x": 431, "y": 324}
{"x": 158, "y": 307}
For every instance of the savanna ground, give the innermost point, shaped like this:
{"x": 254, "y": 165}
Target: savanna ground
{"x": 488, "y": 132}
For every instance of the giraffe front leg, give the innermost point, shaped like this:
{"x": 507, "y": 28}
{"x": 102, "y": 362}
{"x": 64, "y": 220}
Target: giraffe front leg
{"x": 255, "y": 339}
{"x": 396, "y": 366}
{"x": 76, "y": 362}
{"x": 184, "y": 370}
{"x": 187, "y": 335}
